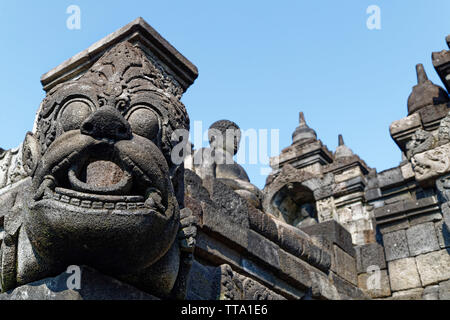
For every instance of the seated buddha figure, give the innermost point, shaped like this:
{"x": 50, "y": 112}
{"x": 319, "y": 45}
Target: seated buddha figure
{"x": 217, "y": 161}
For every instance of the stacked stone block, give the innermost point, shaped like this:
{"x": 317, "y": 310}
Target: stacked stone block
{"x": 242, "y": 242}
{"x": 410, "y": 200}
{"x": 411, "y": 228}
{"x": 372, "y": 270}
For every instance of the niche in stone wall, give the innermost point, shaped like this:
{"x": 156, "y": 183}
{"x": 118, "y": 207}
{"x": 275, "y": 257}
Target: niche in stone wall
{"x": 295, "y": 205}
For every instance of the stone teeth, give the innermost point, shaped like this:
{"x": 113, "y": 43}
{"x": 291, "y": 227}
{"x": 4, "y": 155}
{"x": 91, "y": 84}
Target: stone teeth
{"x": 128, "y": 202}
{"x": 97, "y": 205}
{"x": 65, "y": 199}
{"x": 98, "y": 198}
{"x": 140, "y": 205}
{"x": 121, "y": 205}
{"x": 86, "y": 204}
{"x": 75, "y": 202}
{"x": 109, "y": 206}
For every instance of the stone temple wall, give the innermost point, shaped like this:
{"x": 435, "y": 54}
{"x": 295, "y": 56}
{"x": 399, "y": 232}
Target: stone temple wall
{"x": 398, "y": 219}
{"x": 411, "y": 200}
{"x": 326, "y": 226}
{"x": 399, "y": 224}
{"x": 251, "y": 255}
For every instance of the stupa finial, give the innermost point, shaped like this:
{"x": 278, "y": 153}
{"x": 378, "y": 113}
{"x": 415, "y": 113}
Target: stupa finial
{"x": 302, "y": 119}
{"x": 341, "y": 140}
{"x": 421, "y": 74}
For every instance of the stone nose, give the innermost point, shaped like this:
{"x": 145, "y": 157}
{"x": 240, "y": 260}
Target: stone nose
{"x": 107, "y": 123}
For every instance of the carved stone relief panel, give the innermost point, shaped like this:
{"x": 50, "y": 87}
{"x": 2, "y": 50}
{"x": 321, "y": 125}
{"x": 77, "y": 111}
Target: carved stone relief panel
{"x": 234, "y": 286}
{"x": 431, "y": 164}
{"x": 326, "y": 209}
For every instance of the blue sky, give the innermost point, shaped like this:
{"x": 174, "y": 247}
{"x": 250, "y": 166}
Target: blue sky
{"x": 260, "y": 62}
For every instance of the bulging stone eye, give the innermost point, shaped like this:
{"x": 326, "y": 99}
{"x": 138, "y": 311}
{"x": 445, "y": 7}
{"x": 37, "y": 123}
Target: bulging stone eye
{"x": 144, "y": 122}
{"x": 73, "y": 114}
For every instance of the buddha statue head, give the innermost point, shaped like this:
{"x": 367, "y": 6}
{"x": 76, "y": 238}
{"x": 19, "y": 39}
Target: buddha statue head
{"x": 225, "y": 135}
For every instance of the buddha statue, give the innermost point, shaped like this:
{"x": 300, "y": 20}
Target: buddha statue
{"x": 217, "y": 161}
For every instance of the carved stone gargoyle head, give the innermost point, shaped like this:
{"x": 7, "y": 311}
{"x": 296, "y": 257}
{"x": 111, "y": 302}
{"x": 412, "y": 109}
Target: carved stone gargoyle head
{"x": 104, "y": 189}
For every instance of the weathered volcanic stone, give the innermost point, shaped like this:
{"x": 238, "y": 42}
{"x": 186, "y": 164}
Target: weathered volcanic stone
{"x": 434, "y": 267}
{"x": 396, "y": 245}
{"x": 443, "y": 234}
{"x": 218, "y": 221}
{"x": 431, "y": 293}
{"x": 408, "y": 124}
{"x": 425, "y": 93}
{"x": 403, "y": 274}
{"x": 311, "y": 254}
{"x": 194, "y": 187}
{"x": 445, "y": 208}
{"x": 390, "y": 177}
{"x": 372, "y": 194}
{"x": 423, "y": 218}
{"x": 216, "y": 251}
{"x": 297, "y": 242}
{"x": 422, "y": 239}
{"x": 433, "y": 113}
{"x": 346, "y": 290}
{"x": 296, "y": 269}
{"x": 93, "y": 286}
{"x": 227, "y": 213}
{"x": 407, "y": 171}
{"x": 195, "y": 206}
{"x": 412, "y": 294}
{"x": 344, "y": 265}
{"x": 393, "y": 226}
{"x": 371, "y": 254}
{"x": 200, "y": 279}
{"x": 368, "y": 283}
{"x": 235, "y": 206}
{"x": 333, "y": 232}
{"x": 103, "y": 173}
{"x": 444, "y": 290}
{"x": 263, "y": 248}
{"x": 434, "y": 168}
{"x": 322, "y": 288}
{"x": 262, "y": 223}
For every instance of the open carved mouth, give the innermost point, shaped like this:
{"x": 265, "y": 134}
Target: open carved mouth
{"x": 100, "y": 177}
